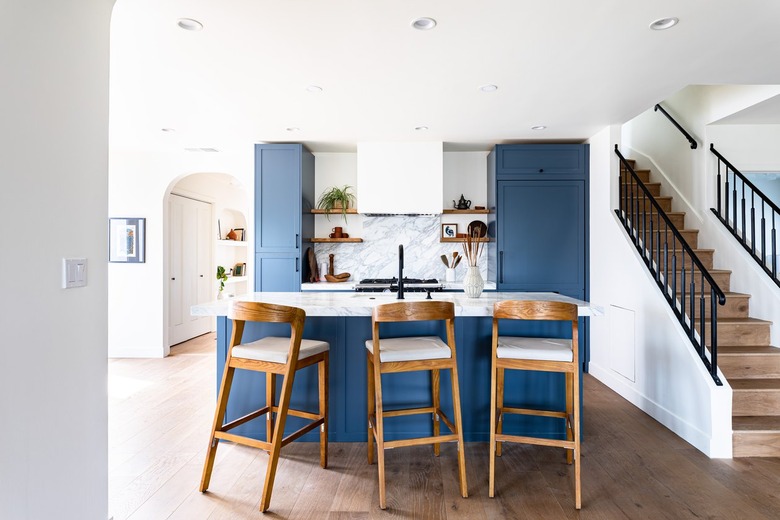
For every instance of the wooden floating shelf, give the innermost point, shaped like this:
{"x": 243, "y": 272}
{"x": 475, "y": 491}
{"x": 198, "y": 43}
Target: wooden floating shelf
{"x": 350, "y": 211}
{"x": 447, "y": 239}
{"x": 465, "y": 211}
{"x": 325, "y": 240}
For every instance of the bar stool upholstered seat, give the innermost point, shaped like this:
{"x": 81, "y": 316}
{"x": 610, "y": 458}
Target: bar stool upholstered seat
{"x": 274, "y": 356}
{"x": 543, "y": 354}
{"x": 389, "y": 355}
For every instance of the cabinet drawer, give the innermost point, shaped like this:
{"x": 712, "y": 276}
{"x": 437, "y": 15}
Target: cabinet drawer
{"x": 566, "y": 159}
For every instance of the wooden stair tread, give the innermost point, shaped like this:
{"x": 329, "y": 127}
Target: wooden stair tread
{"x": 752, "y": 385}
{"x": 757, "y": 423}
{"x": 748, "y": 350}
{"x": 741, "y": 321}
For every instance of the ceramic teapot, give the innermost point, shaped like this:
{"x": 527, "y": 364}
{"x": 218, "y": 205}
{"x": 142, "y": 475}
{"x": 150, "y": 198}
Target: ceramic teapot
{"x": 462, "y": 203}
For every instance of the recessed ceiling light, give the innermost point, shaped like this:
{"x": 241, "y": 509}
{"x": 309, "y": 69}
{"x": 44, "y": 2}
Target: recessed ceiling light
{"x": 488, "y": 88}
{"x": 314, "y": 88}
{"x": 424, "y": 24}
{"x": 168, "y": 129}
{"x": 538, "y": 127}
{"x": 664, "y": 23}
{"x": 188, "y": 24}
{"x": 421, "y": 128}
{"x": 292, "y": 129}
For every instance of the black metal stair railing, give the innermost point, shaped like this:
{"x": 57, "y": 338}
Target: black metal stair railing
{"x": 688, "y": 136}
{"x": 733, "y": 192}
{"x": 679, "y": 273}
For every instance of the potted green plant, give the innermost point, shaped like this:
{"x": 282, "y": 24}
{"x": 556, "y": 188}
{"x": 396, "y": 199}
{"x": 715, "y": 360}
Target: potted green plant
{"x": 222, "y": 277}
{"x": 336, "y": 198}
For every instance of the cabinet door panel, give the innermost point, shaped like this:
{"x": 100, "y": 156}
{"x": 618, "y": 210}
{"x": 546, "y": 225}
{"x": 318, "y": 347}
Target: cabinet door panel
{"x": 277, "y": 273}
{"x": 541, "y": 236}
{"x": 278, "y": 197}
{"x": 536, "y": 159}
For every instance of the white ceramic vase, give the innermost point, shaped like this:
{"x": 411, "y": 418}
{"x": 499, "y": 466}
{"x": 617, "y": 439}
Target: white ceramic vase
{"x": 473, "y": 282}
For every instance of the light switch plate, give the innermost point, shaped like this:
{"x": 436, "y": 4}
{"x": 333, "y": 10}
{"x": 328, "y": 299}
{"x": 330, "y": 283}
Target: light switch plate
{"x": 74, "y": 272}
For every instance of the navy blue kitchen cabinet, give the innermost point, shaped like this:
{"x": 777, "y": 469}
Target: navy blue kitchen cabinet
{"x": 539, "y": 227}
{"x": 284, "y": 196}
{"x": 540, "y": 159}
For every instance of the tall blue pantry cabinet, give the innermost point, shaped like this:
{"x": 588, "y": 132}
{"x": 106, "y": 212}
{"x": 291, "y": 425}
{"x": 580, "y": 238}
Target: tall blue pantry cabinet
{"x": 284, "y": 194}
{"x": 540, "y": 223}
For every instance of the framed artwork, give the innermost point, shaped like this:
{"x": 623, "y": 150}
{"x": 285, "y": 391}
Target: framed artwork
{"x": 239, "y": 270}
{"x": 127, "y": 240}
{"x": 239, "y": 234}
{"x": 449, "y": 230}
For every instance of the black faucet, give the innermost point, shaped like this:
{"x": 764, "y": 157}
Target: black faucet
{"x": 400, "y": 271}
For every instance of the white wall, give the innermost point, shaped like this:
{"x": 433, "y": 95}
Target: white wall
{"x": 54, "y": 142}
{"x": 139, "y": 184}
{"x": 656, "y": 368}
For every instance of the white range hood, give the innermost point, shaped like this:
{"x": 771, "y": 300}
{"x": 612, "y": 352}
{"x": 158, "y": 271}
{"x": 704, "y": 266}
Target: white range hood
{"x": 400, "y": 178}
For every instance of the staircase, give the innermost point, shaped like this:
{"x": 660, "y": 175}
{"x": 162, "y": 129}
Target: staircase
{"x": 746, "y": 358}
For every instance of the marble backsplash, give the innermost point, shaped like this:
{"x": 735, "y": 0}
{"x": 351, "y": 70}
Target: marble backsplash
{"x": 377, "y": 255}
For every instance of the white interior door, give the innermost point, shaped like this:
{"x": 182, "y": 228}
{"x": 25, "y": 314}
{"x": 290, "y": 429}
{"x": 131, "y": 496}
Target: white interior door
{"x": 189, "y": 269}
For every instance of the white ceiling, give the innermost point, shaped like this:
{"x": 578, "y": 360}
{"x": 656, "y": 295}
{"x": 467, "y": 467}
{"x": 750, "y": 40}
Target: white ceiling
{"x": 572, "y": 65}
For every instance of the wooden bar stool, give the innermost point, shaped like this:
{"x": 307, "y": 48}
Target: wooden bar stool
{"x": 272, "y": 355}
{"x": 393, "y": 355}
{"x": 543, "y": 354}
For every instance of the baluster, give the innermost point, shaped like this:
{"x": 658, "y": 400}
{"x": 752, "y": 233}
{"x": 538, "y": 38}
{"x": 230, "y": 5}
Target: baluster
{"x": 693, "y": 301}
{"x": 773, "y": 258}
{"x": 653, "y": 270}
{"x": 753, "y": 222}
{"x": 674, "y": 271}
{"x": 658, "y": 253}
{"x": 763, "y": 233}
{"x": 743, "y": 211}
{"x": 644, "y": 227}
{"x": 682, "y": 286}
{"x": 725, "y": 215}
{"x": 734, "y": 205}
{"x": 621, "y": 202}
{"x": 718, "y": 188}
{"x": 702, "y": 324}
{"x": 713, "y": 334}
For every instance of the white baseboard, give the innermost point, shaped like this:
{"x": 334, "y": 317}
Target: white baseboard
{"x": 140, "y": 352}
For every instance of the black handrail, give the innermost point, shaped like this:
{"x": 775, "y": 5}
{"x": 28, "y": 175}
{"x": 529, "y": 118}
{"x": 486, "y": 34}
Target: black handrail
{"x": 651, "y": 230}
{"x": 688, "y": 136}
{"x": 760, "y": 253}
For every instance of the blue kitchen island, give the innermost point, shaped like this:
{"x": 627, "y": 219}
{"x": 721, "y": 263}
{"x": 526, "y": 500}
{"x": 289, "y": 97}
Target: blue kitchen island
{"x": 343, "y": 319}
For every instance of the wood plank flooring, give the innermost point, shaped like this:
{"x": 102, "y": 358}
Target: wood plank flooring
{"x": 160, "y": 412}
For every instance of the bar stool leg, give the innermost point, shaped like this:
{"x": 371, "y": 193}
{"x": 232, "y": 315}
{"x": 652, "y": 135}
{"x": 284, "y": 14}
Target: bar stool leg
{"x": 464, "y": 490}
{"x": 493, "y": 426}
{"x": 371, "y": 407}
{"x": 436, "y": 390}
{"x": 323, "y": 369}
{"x": 500, "y": 405}
{"x": 219, "y": 420}
{"x": 569, "y": 415}
{"x": 276, "y": 446}
{"x": 576, "y": 405}
{"x": 380, "y": 437}
{"x": 270, "y": 400}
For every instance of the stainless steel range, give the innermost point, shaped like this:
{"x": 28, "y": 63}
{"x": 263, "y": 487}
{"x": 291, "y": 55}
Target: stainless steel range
{"x": 391, "y": 285}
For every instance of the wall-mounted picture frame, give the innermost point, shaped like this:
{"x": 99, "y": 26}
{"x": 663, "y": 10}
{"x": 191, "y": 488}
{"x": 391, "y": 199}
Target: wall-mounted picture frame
{"x": 449, "y": 230}
{"x": 127, "y": 240}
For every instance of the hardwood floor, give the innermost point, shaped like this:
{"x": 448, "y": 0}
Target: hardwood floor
{"x": 160, "y": 411}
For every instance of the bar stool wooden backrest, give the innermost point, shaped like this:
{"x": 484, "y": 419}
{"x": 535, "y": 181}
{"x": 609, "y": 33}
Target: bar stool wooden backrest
{"x": 388, "y": 355}
{"x": 274, "y": 356}
{"x": 543, "y": 354}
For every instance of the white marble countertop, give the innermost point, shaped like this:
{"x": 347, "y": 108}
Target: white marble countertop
{"x": 361, "y": 304}
{"x": 350, "y": 286}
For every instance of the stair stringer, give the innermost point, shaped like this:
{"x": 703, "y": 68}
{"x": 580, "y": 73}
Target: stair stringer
{"x": 671, "y": 383}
